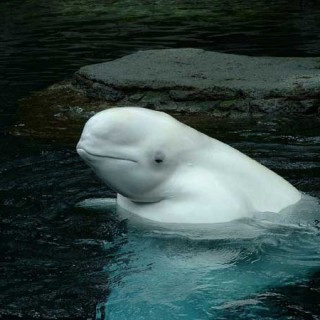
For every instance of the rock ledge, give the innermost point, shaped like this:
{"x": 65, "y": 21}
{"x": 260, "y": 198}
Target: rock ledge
{"x": 194, "y": 80}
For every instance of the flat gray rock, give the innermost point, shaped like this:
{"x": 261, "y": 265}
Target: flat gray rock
{"x": 194, "y": 80}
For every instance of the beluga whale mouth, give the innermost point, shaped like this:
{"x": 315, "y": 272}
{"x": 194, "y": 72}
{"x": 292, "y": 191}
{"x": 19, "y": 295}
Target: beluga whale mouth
{"x": 146, "y": 155}
{"x": 83, "y": 153}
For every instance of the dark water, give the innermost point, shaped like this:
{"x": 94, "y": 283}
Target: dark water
{"x": 46, "y": 41}
{"x": 55, "y": 257}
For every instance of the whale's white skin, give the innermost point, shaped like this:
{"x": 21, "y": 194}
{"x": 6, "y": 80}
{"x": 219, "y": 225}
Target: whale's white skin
{"x": 168, "y": 172}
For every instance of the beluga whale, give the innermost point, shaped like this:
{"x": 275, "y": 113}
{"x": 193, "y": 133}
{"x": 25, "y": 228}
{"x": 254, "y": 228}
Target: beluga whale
{"x": 168, "y": 172}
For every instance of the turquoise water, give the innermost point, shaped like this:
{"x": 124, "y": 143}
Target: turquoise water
{"x": 219, "y": 271}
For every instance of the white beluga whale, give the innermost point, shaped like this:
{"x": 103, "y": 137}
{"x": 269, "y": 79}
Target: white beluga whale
{"x": 168, "y": 172}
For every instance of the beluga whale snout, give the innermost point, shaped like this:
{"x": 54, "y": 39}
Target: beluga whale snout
{"x": 168, "y": 172}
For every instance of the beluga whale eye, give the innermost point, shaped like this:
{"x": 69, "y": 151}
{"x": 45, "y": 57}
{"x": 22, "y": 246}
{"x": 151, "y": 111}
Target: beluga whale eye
{"x": 159, "y": 157}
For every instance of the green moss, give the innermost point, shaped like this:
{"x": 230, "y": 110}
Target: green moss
{"x": 56, "y": 113}
{"x": 227, "y": 104}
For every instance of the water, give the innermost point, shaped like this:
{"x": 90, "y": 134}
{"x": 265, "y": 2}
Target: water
{"x": 215, "y": 273}
{"x": 59, "y": 260}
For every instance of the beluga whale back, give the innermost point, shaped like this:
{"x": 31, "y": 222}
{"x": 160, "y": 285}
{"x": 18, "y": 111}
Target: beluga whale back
{"x": 168, "y": 172}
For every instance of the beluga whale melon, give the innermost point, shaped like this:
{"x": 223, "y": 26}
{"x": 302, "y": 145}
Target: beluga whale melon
{"x": 166, "y": 171}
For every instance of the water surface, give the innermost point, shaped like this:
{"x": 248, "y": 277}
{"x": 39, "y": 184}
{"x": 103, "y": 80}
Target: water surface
{"x": 58, "y": 260}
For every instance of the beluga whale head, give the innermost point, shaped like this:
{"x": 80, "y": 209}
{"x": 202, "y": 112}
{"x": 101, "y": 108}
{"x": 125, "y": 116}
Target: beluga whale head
{"x": 166, "y": 171}
{"x": 133, "y": 150}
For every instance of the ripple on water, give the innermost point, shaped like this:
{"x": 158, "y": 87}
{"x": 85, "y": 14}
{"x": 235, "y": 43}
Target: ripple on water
{"x": 213, "y": 271}
{"x": 52, "y": 255}
{"x": 193, "y": 275}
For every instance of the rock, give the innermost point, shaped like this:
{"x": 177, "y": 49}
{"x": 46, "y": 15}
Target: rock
{"x": 176, "y": 76}
{"x": 58, "y": 112}
{"x": 180, "y": 81}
